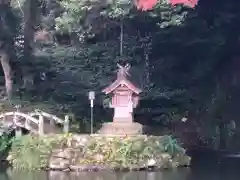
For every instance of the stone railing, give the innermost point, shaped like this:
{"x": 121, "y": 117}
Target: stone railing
{"x": 52, "y": 118}
{"x": 34, "y": 121}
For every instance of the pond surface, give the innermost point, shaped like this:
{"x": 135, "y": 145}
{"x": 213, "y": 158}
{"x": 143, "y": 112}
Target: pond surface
{"x": 209, "y": 171}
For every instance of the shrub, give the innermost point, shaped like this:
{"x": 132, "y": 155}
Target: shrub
{"x": 127, "y": 151}
{"x": 32, "y": 152}
{"x": 5, "y": 143}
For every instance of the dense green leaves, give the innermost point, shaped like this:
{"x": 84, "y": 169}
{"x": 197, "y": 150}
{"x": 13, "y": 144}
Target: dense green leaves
{"x": 32, "y": 152}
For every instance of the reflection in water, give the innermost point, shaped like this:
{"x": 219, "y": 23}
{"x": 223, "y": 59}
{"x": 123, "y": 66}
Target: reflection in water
{"x": 207, "y": 173}
{"x": 181, "y": 174}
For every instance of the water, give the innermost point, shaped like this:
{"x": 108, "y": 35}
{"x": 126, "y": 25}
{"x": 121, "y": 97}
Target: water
{"x": 203, "y": 167}
{"x": 218, "y": 172}
{"x": 167, "y": 175}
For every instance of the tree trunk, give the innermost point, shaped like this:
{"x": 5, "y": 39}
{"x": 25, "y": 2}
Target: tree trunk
{"x": 5, "y": 62}
{"x": 147, "y": 72}
{"x": 5, "y": 50}
{"x": 30, "y": 11}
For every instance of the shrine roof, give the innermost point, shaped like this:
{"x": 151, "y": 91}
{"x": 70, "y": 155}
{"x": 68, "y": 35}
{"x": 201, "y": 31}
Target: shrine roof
{"x": 121, "y": 81}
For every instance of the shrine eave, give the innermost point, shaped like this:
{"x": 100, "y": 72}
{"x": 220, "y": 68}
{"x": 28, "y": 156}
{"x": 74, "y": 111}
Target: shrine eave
{"x": 118, "y": 83}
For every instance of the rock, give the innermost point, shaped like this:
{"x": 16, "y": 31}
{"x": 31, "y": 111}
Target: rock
{"x": 66, "y": 170}
{"x": 134, "y": 167}
{"x": 99, "y": 157}
{"x": 166, "y": 156}
{"x": 182, "y": 160}
{"x": 151, "y": 163}
{"x": 79, "y": 167}
{"x": 60, "y": 154}
{"x": 69, "y": 153}
{"x": 64, "y": 154}
{"x": 174, "y": 164}
{"x": 88, "y": 167}
{"x": 160, "y": 163}
{"x": 80, "y": 140}
{"x": 9, "y": 158}
{"x": 59, "y": 164}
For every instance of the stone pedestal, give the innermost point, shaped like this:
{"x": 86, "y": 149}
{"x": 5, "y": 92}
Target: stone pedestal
{"x": 123, "y": 114}
{"x": 127, "y": 120}
{"x": 123, "y": 128}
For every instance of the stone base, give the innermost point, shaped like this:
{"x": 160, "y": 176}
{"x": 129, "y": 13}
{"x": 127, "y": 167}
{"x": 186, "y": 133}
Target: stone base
{"x": 123, "y": 120}
{"x": 121, "y": 128}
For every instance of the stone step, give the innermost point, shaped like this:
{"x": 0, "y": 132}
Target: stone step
{"x": 121, "y": 128}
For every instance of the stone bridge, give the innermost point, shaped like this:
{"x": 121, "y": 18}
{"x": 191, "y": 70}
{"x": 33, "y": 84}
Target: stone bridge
{"x": 37, "y": 122}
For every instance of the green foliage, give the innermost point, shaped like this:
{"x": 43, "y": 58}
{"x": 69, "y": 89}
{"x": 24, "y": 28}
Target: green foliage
{"x": 90, "y": 17}
{"x": 30, "y": 152}
{"x": 172, "y": 146}
{"x": 33, "y": 152}
{"x": 129, "y": 151}
{"x": 75, "y": 12}
{"x": 5, "y": 143}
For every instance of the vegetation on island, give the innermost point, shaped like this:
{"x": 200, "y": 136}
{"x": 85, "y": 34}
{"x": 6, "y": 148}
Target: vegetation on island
{"x": 5, "y": 145}
{"x": 78, "y": 152}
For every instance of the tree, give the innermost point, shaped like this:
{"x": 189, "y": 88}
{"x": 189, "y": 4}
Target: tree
{"x": 30, "y": 16}
{"x": 8, "y": 31}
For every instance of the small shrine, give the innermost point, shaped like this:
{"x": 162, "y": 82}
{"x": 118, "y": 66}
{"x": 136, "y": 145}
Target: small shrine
{"x": 124, "y": 98}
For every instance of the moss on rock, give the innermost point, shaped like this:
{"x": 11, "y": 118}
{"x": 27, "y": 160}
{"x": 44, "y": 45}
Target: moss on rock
{"x": 84, "y": 152}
